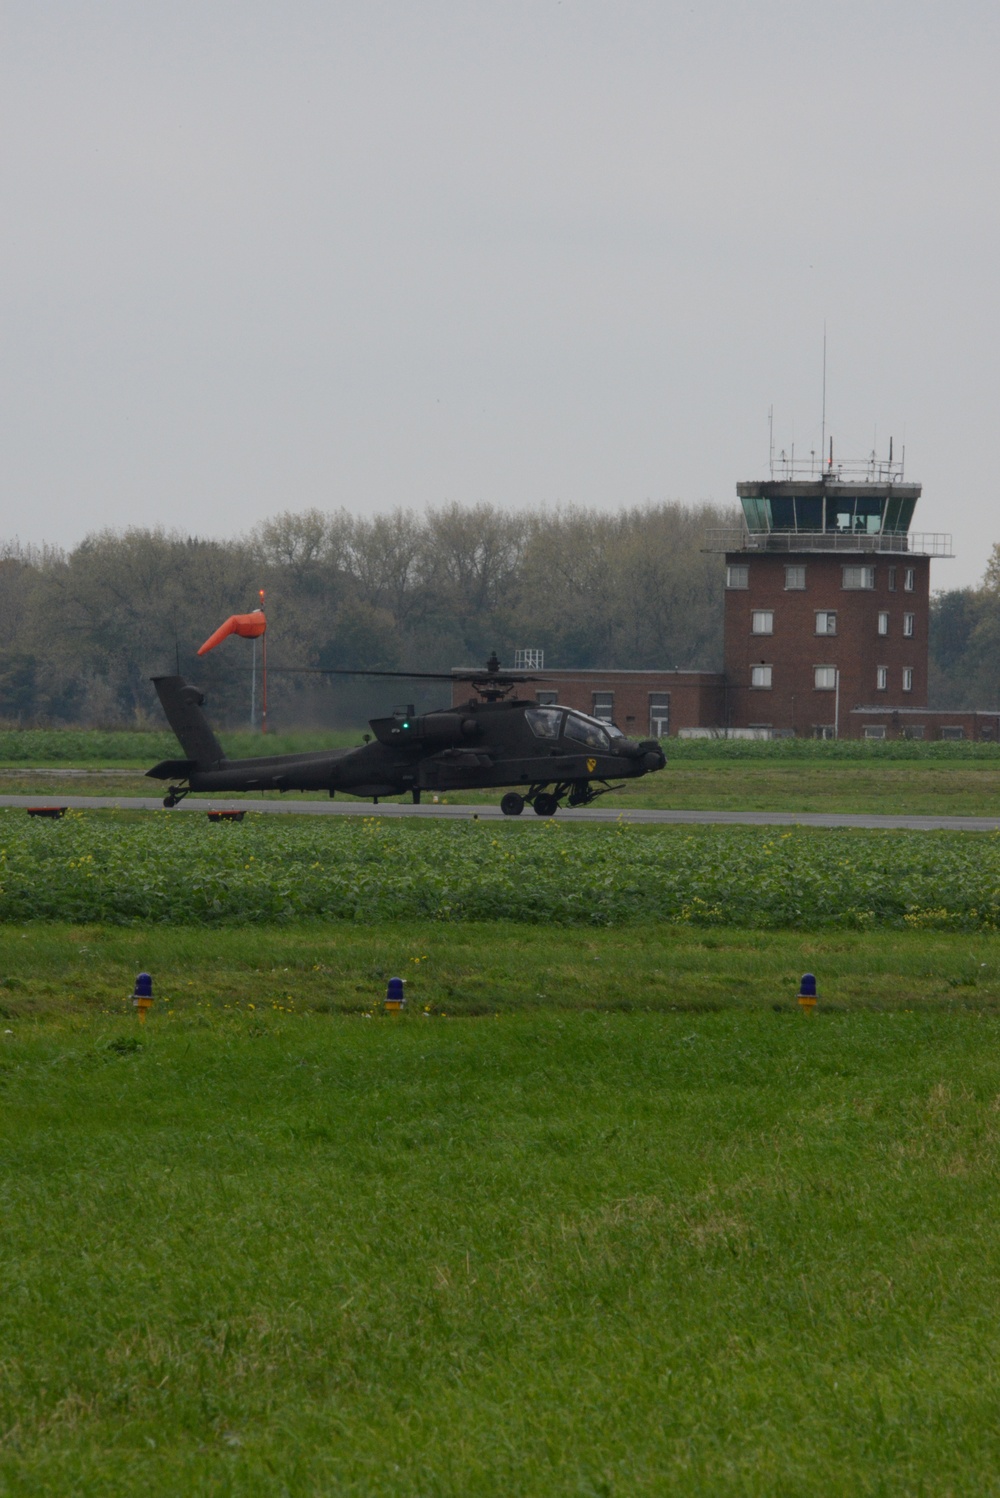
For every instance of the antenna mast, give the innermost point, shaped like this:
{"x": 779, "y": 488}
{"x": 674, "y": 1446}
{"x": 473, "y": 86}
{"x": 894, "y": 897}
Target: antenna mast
{"x": 822, "y": 440}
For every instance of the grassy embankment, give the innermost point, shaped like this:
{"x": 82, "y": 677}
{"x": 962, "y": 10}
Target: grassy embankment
{"x": 903, "y": 778}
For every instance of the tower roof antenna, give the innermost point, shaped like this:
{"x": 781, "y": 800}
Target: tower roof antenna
{"x": 822, "y": 439}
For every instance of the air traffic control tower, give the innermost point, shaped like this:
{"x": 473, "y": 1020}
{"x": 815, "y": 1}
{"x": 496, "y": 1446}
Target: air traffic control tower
{"x": 827, "y": 598}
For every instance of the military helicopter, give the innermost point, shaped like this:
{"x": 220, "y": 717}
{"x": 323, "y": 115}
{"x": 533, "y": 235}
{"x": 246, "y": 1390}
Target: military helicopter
{"x": 495, "y": 739}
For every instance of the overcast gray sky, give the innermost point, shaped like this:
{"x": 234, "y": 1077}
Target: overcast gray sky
{"x": 259, "y": 257}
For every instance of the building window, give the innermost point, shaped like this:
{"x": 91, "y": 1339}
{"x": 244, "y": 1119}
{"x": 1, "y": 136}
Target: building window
{"x": 738, "y": 576}
{"x": 795, "y": 577}
{"x": 955, "y": 731}
{"x": 874, "y": 730}
{"x": 546, "y": 699}
{"x": 826, "y": 624}
{"x": 881, "y": 677}
{"x": 913, "y": 731}
{"x": 604, "y": 706}
{"x": 892, "y": 579}
{"x": 908, "y": 579}
{"x": 883, "y": 622}
{"x": 859, "y": 577}
{"x": 762, "y": 622}
{"x": 760, "y": 676}
{"x": 908, "y": 625}
{"x": 825, "y": 678}
{"x": 659, "y": 715}
{"x": 824, "y": 731}
{"x": 907, "y": 678}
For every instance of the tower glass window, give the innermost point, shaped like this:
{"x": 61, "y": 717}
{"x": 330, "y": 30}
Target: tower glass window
{"x": 738, "y": 576}
{"x": 762, "y": 622}
{"x": 892, "y": 579}
{"x": 826, "y": 623}
{"x": 909, "y": 578}
{"x": 883, "y": 622}
{"x": 760, "y": 676}
{"x": 825, "y": 678}
{"x": 881, "y": 678}
{"x": 859, "y": 577}
{"x": 907, "y": 678}
{"x": 908, "y": 625}
{"x": 795, "y": 577}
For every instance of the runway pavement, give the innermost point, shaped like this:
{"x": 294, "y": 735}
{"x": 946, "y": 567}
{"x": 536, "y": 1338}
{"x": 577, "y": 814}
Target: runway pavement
{"x": 492, "y": 813}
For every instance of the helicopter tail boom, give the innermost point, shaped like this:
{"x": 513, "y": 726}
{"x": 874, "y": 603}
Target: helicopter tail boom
{"x": 182, "y": 705}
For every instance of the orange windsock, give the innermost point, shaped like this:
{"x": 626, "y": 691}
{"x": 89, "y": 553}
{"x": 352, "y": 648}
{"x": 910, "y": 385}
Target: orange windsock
{"x": 247, "y": 625}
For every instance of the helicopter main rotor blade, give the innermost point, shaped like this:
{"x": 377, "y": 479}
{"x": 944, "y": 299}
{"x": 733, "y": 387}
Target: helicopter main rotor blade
{"x": 499, "y": 677}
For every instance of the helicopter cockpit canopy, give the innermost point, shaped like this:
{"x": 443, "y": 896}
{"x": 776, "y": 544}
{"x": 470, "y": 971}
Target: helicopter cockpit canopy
{"x": 548, "y": 722}
{"x": 544, "y": 722}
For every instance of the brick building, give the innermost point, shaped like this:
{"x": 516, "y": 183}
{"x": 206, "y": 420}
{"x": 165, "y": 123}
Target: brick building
{"x": 827, "y": 615}
{"x": 827, "y": 605}
{"x": 644, "y": 704}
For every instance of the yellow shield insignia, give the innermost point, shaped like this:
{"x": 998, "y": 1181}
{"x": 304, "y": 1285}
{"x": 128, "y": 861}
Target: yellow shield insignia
{"x": 592, "y": 765}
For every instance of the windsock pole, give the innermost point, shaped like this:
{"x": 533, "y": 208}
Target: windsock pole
{"x": 263, "y": 651}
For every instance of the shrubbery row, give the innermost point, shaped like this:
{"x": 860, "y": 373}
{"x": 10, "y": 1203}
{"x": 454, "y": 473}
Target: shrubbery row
{"x": 178, "y": 868}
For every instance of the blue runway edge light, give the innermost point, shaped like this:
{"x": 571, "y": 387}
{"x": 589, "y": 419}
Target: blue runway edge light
{"x": 394, "y": 997}
{"x": 143, "y": 987}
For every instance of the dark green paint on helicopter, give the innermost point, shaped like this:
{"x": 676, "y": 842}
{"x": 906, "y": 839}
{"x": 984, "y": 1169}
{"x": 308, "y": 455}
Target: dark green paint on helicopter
{"x": 556, "y": 753}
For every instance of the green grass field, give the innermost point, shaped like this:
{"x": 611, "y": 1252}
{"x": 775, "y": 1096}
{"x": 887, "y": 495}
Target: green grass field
{"x": 602, "y": 1213}
{"x": 543, "y": 1251}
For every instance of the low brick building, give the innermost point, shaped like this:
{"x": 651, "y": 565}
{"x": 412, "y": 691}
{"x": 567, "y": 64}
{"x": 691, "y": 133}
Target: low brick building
{"x": 923, "y": 723}
{"x": 644, "y": 704}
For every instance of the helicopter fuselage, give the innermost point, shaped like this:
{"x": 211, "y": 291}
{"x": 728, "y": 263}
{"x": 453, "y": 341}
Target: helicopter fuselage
{"x": 555, "y": 752}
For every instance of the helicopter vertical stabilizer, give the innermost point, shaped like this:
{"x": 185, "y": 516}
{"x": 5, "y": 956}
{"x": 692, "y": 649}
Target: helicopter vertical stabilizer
{"x": 182, "y": 705}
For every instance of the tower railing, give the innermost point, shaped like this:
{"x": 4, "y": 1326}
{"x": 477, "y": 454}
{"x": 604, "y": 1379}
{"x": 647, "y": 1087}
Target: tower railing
{"x": 917, "y": 543}
{"x": 871, "y": 470}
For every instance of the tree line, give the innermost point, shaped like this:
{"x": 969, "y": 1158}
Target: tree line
{"x": 81, "y": 631}
{"x": 965, "y": 644}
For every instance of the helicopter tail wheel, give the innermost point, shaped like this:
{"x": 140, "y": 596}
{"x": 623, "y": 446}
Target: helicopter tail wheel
{"x": 169, "y": 801}
{"x": 546, "y": 805}
{"x": 512, "y": 804}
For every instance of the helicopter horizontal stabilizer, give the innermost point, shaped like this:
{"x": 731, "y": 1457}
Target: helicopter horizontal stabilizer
{"x": 172, "y": 769}
{"x": 182, "y": 705}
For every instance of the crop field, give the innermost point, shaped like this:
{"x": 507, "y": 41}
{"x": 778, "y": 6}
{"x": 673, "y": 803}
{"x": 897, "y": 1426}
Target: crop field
{"x": 134, "y": 867}
{"x": 602, "y": 1213}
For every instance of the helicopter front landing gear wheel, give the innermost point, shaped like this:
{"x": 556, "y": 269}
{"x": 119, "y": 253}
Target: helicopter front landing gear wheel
{"x": 512, "y": 804}
{"x": 546, "y": 805}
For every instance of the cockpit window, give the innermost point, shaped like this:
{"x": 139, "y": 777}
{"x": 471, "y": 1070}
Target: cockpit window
{"x": 544, "y": 721}
{"x": 587, "y": 731}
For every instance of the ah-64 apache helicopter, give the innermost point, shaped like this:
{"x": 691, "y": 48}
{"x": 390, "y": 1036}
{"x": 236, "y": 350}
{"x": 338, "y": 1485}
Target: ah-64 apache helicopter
{"x": 494, "y": 739}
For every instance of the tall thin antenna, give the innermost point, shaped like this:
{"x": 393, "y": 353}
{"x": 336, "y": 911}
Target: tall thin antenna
{"x": 770, "y": 439}
{"x": 822, "y": 441}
